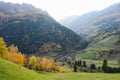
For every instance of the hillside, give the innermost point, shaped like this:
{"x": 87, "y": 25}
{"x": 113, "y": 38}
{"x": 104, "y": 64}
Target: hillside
{"x": 87, "y": 24}
{"x": 101, "y": 29}
{"x": 11, "y": 71}
{"x": 30, "y": 28}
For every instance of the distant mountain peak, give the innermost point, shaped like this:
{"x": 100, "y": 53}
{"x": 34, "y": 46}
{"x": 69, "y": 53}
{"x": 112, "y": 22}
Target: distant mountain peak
{"x": 85, "y": 24}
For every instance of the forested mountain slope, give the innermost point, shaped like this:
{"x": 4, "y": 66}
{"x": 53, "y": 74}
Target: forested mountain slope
{"x": 29, "y": 28}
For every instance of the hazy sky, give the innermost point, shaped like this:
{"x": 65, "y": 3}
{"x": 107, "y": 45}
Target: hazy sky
{"x": 59, "y": 9}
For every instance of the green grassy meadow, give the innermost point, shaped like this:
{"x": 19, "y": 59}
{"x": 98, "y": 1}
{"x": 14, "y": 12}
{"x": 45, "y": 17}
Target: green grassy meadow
{"x": 112, "y": 63}
{"x": 11, "y": 71}
{"x": 107, "y": 43}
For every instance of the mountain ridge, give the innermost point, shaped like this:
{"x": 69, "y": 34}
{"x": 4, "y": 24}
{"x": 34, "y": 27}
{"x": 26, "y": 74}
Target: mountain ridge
{"x": 101, "y": 29}
{"x": 30, "y": 30}
{"x": 11, "y": 8}
{"x": 88, "y": 20}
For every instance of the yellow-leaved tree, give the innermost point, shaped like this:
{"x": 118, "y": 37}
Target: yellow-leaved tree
{"x": 61, "y": 69}
{"x": 21, "y": 59}
{"x": 32, "y": 61}
{"x": 3, "y": 48}
{"x": 15, "y": 56}
{"x": 47, "y": 64}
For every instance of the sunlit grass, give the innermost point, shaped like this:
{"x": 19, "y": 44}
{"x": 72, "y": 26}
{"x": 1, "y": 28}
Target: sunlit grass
{"x": 11, "y": 71}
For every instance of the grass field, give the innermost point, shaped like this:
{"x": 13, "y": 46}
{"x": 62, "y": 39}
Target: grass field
{"x": 88, "y": 55}
{"x": 11, "y": 71}
{"x": 106, "y": 43}
{"x": 112, "y": 63}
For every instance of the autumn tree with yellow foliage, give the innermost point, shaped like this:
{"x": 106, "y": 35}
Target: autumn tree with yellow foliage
{"x": 47, "y": 64}
{"x": 12, "y": 54}
{"x": 3, "y": 49}
{"x": 32, "y": 62}
{"x": 44, "y": 64}
{"x": 15, "y": 56}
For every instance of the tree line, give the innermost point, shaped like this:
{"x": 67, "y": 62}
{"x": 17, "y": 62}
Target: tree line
{"x": 82, "y": 66}
{"x": 11, "y": 53}
{"x": 109, "y": 69}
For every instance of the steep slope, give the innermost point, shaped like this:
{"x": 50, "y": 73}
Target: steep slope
{"x": 68, "y": 21}
{"x": 106, "y": 36}
{"x": 29, "y": 30}
{"x": 107, "y": 27}
{"x": 82, "y": 24}
{"x": 102, "y": 29}
{"x": 86, "y": 24}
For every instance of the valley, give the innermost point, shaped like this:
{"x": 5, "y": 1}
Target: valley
{"x": 34, "y": 46}
{"x": 100, "y": 28}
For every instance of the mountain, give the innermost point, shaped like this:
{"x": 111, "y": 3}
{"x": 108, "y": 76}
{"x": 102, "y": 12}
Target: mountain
{"x": 81, "y": 24}
{"x": 86, "y": 24}
{"x": 101, "y": 29}
{"x": 11, "y": 8}
{"x": 30, "y": 28}
{"x": 68, "y": 21}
